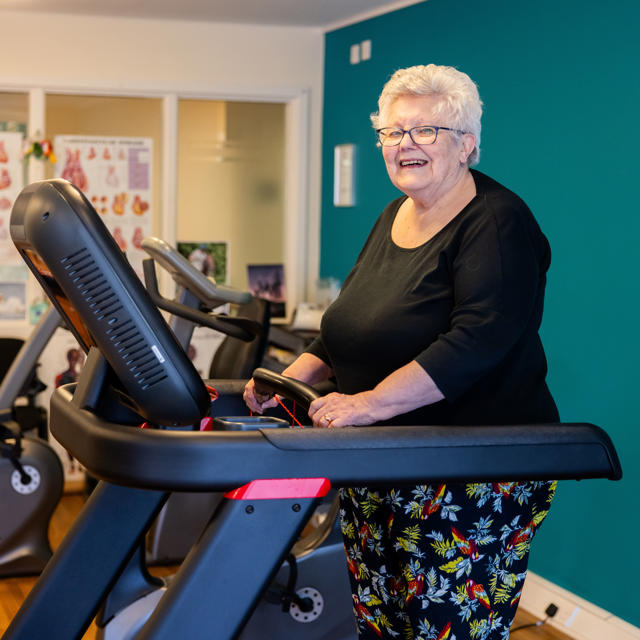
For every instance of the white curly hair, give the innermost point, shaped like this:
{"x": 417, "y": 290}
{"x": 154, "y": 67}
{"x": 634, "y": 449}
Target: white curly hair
{"x": 458, "y": 98}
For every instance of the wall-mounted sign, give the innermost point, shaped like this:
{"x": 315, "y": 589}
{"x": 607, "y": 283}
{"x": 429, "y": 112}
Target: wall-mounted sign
{"x": 344, "y": 175}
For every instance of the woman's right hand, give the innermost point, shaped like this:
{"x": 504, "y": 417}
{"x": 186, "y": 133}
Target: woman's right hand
{"x": 257, "y": 402}
{"x": 306, "y": 368}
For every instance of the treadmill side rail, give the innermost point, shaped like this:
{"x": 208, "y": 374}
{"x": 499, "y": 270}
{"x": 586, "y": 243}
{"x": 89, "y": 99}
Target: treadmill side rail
{"x": 354, "y": 456}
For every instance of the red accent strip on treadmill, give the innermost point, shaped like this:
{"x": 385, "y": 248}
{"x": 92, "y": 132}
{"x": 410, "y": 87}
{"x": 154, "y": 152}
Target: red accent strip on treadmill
{"x": 281, "y": 488}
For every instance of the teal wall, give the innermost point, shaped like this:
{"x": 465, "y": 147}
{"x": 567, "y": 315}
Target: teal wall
{"x": 560, "y": 85}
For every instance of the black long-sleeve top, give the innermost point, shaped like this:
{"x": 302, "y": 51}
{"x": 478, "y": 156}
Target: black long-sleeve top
{"x": 466, "y": 306}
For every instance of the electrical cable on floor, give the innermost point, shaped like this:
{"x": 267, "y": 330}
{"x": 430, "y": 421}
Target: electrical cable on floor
{"x": 550, "y": 611}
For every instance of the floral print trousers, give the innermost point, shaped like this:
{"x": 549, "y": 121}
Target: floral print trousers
{"x": 440, "y": 562}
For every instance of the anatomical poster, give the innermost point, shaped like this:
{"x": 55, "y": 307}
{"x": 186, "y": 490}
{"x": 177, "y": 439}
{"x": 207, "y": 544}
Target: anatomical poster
{"x": 115, "y": 174}
{"x": 13, "y": 274}
{"x": 60, "y": 364}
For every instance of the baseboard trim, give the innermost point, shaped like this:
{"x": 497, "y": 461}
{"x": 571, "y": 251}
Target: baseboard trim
{"x": 576, "y": 617}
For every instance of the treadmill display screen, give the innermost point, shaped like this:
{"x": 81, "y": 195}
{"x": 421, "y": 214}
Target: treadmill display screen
{"x": 63, "y": 304}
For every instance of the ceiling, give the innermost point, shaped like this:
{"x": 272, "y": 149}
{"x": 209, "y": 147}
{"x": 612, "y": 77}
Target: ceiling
{"x": 307, "y": 13}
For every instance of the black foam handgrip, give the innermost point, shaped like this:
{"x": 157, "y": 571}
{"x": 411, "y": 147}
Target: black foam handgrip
{"x": 268, "y": 382}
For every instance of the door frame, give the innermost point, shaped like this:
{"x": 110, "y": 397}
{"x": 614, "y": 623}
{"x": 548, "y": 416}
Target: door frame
{"x": 301, "y": 254}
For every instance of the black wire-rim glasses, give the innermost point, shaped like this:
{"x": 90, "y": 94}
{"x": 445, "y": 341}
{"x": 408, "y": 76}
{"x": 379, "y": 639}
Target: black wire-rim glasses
{"x": 422, "y": 134}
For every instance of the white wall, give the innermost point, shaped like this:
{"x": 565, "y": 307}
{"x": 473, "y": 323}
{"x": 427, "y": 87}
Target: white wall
{"x": 155, "y": 57}
{"x": 54, "y": 49}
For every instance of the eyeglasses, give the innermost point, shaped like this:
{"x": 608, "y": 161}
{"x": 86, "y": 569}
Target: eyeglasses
{"x": 424, "y": 134}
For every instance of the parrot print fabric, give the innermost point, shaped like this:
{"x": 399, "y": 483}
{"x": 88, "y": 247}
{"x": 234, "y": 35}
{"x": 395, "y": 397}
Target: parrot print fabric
{"x": 440, "y": 562}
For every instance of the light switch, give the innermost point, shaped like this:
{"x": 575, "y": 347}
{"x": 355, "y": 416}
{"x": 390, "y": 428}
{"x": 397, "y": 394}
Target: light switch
{"x": 365, "y": 50}
{"x": 354, "y": 54}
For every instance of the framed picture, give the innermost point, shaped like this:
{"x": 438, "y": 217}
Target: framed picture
{"x": 208, "y": 257}
{"x": 267, "y": 281}
{"x": 13, "y": 304}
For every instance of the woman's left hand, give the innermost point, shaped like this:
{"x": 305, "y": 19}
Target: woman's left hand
{"x": 339, "y": 410}
{"x": 403, "y": 390}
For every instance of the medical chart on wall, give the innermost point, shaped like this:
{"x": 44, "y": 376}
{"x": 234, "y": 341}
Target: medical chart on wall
{"x": 61, "y": 364}
{"x": 13, "y": 272}
{"x": 115, "y": 174}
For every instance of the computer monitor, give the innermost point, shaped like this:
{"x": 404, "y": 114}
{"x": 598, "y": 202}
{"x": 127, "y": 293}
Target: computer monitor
{"x": 82, "y": 270}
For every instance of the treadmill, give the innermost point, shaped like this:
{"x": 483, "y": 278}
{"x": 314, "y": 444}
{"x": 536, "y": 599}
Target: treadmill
{"x": 134, "y": 419}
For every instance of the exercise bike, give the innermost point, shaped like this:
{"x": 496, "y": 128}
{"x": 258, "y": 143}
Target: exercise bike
{"x": 272, "y": 478}
{"x": 31, "y": 475}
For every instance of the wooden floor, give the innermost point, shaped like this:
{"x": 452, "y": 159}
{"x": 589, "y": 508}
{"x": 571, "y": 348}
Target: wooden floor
{"x": 14, "y": 590}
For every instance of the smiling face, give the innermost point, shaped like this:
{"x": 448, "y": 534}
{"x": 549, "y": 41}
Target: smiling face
{"x": 424, "y": 172}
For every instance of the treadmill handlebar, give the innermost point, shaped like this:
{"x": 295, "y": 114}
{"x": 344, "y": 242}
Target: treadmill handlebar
{"x": 175, "y": 460}
{"x": 237, "y": 327}
{"x": 268, "y": 383}
{"x": 186, "y": 275}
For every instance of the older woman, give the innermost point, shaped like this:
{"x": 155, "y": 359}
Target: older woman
{"x": 437, "y": 323}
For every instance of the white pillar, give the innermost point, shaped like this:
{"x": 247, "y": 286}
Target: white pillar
{"x": 169, "y": 190}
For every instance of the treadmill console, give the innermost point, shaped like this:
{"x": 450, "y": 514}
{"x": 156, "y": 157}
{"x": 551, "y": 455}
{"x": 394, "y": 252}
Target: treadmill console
{"x": 82, "y": 270}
